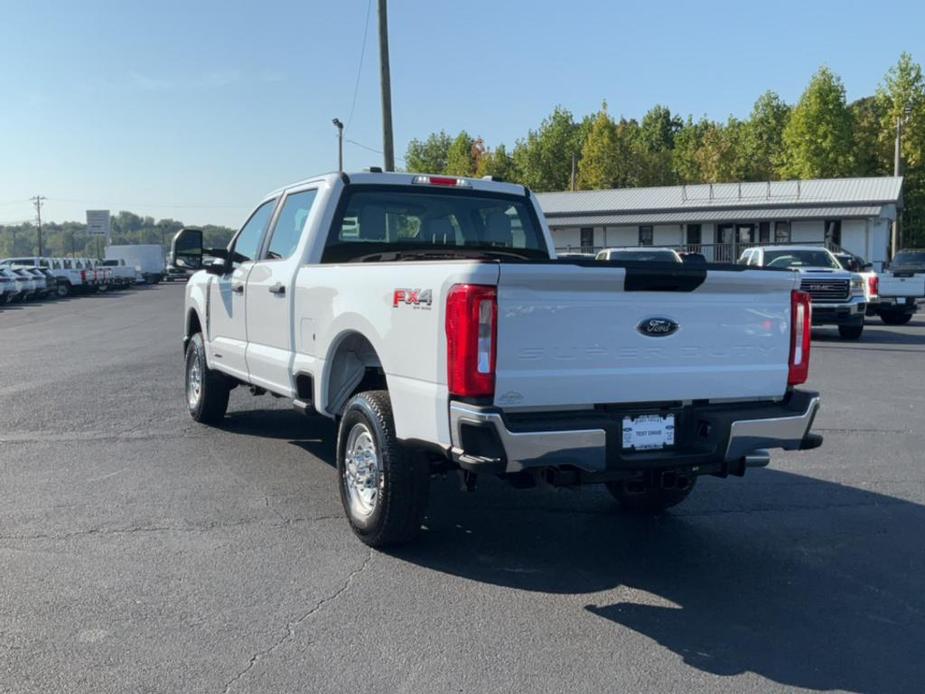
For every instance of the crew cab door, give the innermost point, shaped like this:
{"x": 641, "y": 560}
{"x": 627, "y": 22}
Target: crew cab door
{"x": 227, "y": 310}
{"x": 269, "y": 295}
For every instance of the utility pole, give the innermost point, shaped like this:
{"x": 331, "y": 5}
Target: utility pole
{"x": 572, "y": 180}
{"x": 37, "y": 201}
{"x": 896, "y": 231}
{"x": 340, "y": 144}
{"x": 386, "y": 81}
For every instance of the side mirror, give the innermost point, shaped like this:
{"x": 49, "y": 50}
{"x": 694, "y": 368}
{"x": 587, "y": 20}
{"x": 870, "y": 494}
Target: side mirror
{"x": 186, "y": 249}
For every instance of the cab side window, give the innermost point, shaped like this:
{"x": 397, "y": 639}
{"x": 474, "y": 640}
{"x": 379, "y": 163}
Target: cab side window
{"x": 289, "y": 224}
{"x": 248, "y": 241}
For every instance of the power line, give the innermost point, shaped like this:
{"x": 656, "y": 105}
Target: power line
{"x": 356, "y": 85}
{"x": 368, "y": 148}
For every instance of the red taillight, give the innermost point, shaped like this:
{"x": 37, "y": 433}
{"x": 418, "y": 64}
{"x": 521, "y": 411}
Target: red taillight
{"x": 471, "y": 340}
{"x": 801, "y": 324}
{"x": 441, "y": 181}
{"x": 83, "y": 275}
{"x": 873, "y": 284}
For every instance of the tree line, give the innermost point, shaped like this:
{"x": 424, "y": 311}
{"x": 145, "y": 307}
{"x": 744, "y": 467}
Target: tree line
{"x": 71, "y": 239}
{"x": 821, "y": 136}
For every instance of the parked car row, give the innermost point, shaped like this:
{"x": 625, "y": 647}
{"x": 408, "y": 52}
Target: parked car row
{"x": 34, "y": 277}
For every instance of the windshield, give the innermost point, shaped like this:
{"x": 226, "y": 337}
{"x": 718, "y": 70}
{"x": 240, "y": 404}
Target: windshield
{"x": 916, "y": 258}
{"x": 799, "y": 258}
{"x": 386, "y": 223}
{"x": 657, "y": 255}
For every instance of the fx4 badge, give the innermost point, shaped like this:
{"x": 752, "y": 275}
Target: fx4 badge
{"x": 657, "y": 327}
{"x": 416, "y": 298}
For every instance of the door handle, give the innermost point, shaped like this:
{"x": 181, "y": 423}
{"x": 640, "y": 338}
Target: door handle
{"x": 278, "y": 288}
{"x": 238, "y": 288}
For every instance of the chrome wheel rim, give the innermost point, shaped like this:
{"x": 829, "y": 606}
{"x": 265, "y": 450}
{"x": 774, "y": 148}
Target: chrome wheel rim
{"x": 193, "y": 382}
{"x": 362, "y": 471}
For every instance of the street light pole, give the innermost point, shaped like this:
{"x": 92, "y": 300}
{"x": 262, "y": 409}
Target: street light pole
{"x": 340, "y": 144}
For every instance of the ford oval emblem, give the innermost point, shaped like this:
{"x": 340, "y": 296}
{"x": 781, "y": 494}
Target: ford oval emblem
{"x": 657, "y": 327}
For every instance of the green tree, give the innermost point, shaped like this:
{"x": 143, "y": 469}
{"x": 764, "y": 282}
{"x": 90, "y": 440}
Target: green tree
{"x": 600, "y": 155}
{"x": 763, "y": 137}
{"x": 901, "y": 96}
{"x": 544, "y": 158}
{"x": 872, "y": 155}
{"x": 430, "y": 155}
{"x": 818, "y": 136}
{"x": 460, "y": 157}
{"x": 498, "y": 164}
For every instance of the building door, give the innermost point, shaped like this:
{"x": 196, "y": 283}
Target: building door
{"x": 725, "y": 242}
{"x": 693, "y": 238}
{"x": 587, "y": 239}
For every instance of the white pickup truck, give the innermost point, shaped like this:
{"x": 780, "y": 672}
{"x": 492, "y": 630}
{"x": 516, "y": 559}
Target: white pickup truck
{"x": 429, "y": 316}
{"x": 123, "y": 274}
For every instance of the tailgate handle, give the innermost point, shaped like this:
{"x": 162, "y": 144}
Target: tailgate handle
{"x": 238, "y": 288}
{"x": 278, "y": 288}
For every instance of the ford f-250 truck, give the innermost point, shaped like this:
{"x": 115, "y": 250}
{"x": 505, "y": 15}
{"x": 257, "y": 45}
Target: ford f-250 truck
{"x": 429, "y": 316}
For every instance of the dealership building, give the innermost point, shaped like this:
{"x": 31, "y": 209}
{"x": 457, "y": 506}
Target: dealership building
{"x": 721, "y": 219}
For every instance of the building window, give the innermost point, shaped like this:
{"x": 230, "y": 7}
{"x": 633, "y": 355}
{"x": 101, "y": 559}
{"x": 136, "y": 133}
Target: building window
{"x": 645, "y": 235}
{"x": 764, "y": 232}
{"x": 694, "y": 235}
{"x": 833, "y": 232}
{"x": 587, "y": 239}
{"x": 781, "y": 232}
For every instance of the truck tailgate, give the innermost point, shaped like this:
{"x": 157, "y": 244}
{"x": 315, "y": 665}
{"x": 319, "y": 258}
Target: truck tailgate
{"x": 906, "y": 285}
{"x": 573, "y": 335}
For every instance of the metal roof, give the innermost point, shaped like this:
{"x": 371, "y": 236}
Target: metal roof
{"x": 728, "y": 215}
{"x": 817, "y": 192}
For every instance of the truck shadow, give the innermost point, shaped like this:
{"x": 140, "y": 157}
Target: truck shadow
{"x": 804, "y": 582}
{"x": 314, "y": 434}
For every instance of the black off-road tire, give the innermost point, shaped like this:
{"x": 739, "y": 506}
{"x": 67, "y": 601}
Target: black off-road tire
{"x": 850, "y": 332}
{"x": 404, "y": 480}
{"x": 895, "y": 317}
{"x": 212, "y": 401}
{"x": 63, "y": 289}
{"x": 653, "y": 499}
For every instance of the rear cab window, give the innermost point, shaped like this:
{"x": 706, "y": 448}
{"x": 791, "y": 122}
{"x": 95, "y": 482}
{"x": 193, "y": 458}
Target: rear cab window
{"x": 399, "y": 222}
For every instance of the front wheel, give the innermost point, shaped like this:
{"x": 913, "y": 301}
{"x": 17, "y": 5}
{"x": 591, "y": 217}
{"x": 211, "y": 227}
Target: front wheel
{"x": 850, "y": 332}
{"x": 650, "y": 496}
{"x": 895, "y": 318}
{"x": 63, "y": 289}
{"x": 206, "y": 390}
{"x": 383, "y": 484}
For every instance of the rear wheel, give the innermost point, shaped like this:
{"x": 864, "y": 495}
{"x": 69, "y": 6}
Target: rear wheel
{"x": 651, "y": 496}
{"x": 895, "y": 317}
{"x": 206, "y": 390}
{"x": 850, "y": 332}
{"x": 63, "y": 289}
{"x": 383, "y": 484}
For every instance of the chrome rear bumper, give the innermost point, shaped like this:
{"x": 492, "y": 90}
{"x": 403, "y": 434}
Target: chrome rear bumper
{"x": 484, "y": 440}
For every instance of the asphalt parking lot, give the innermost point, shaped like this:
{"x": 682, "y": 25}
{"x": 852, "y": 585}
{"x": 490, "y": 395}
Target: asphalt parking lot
{"x": 142, "y": 552}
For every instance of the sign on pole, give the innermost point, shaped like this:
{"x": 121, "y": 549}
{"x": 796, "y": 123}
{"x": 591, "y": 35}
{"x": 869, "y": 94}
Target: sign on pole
{"x": 98, "y": 223}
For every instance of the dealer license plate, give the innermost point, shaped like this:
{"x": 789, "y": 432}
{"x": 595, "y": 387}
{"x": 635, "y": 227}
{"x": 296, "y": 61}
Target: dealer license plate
{"x": 648, "y": 432}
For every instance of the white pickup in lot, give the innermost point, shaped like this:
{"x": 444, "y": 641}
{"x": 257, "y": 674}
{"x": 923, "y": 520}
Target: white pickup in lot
{"x": 429, "y": 316}
{"x": 899, "y": 297}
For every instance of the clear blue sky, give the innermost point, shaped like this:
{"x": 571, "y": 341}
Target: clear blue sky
{"x": 195, "y": 109}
